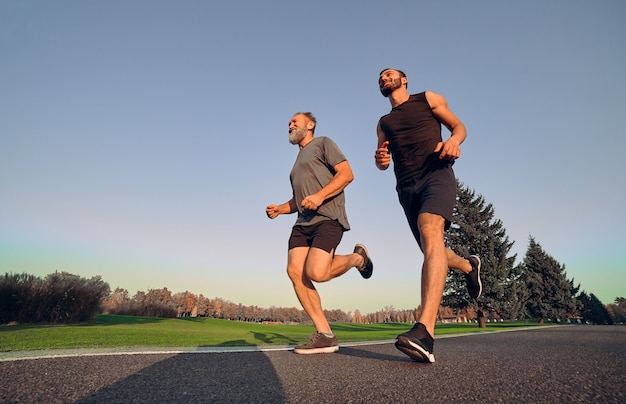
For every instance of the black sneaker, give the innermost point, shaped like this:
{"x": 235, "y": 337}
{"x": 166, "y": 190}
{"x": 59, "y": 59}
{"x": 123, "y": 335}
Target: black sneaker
{"x": 416, "y": 348}
{"x": 474, "y": 286}
{"x": 318, "y": 343}
{"x": 368, "y": 266}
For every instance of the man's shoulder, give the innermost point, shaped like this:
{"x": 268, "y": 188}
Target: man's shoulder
{"x": 324, "y": 140}
{"x": 323, "y": 143}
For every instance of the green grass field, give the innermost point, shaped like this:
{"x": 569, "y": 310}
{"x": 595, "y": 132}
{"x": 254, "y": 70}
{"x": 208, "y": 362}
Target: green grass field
{"x": 112, "y": 331}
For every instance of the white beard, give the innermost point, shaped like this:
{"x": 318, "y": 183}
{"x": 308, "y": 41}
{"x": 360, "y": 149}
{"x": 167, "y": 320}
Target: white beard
{"x": 296, "y": 135}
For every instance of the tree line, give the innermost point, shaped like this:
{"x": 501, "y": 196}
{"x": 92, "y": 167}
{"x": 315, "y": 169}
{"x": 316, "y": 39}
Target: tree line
{"x": 164, "y": 303}
{"x": 538, "y": 287}
{"x": 62, "y": 298}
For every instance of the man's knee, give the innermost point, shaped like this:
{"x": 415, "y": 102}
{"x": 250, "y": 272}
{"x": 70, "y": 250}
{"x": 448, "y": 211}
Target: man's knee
{"x": 295, "y": 263}
{"x": 431, "y": 237}
{"x": 317, "y": 273}
{"x": 294, "y": 273}
{"x": 430, "y": 225}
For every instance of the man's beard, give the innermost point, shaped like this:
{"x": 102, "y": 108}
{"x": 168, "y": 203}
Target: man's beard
{"x": 388, "y": 89}
{"x": 296, "y": 135}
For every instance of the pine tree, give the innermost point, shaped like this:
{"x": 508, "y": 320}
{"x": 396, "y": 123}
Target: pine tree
{"x": 593, "y": 311}
{"x": 517, "y": 296}
{"x": 475, "y": 231}
{"x": 552, "y": 295}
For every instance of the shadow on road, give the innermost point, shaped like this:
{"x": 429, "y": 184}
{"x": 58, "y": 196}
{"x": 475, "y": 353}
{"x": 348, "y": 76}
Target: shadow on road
{"x": 369, "y": 354}
{"x": 232, "y": 377}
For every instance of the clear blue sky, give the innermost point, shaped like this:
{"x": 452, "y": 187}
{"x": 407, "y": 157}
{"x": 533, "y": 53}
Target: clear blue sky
{"x": 142, "y": 140}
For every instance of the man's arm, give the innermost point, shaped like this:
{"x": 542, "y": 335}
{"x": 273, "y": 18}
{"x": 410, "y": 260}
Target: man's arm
{"x": 382, "y": 158}
{"x": 272, "y": 211}
{"x": 448, "y": 149}
{"x": 343, "y": 176}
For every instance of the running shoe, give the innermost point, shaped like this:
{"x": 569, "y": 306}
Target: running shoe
{"x": 368, "y": 266}
{"x": 417, "y": 344}
{"x": 474, "y": 285}
{"x": 318, "y": 343}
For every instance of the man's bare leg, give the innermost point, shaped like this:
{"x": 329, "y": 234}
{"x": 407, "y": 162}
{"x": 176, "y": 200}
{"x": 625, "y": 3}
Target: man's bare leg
{"x": 313, "y": 264}
{"x": 322, "y": 266}
{"x": 457, "y": 262}
{"x": 434, "y": 268}
{"x": 304, "y": 288}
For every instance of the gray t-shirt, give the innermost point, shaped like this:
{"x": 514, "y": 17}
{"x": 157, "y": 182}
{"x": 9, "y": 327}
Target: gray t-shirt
{"x": 314, "y": 169}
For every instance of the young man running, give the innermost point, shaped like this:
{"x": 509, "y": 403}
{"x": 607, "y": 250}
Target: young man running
{"x": 426, "y": 186}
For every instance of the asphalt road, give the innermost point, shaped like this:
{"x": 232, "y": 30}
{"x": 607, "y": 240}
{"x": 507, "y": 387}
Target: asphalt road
{"x": 551, "y": 365}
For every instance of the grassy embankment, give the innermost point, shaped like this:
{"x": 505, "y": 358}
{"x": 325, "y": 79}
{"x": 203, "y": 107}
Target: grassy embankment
{"x": 110, "y": 331}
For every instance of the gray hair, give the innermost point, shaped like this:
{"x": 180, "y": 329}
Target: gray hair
{"x": 310, "y": 116}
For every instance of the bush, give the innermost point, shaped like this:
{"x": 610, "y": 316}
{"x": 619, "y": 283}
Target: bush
{"x": 59, "y": 298}
{"x": 14, "y": 292}
{"x": 147, "y": 309}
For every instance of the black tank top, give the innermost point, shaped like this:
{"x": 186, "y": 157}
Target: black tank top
{"x": 413, "y": 133}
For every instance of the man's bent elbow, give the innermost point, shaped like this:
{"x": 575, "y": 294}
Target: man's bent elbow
{"x": 350, "y": 178}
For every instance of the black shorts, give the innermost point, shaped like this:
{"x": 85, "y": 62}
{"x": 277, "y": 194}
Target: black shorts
{"x": 435, "y": 193}
{"x": 324, "y": 235}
